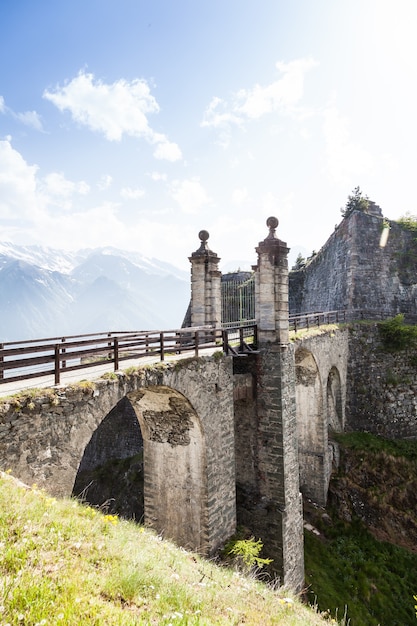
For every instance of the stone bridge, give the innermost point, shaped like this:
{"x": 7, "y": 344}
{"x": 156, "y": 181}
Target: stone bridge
{"x": 184, "y": 412}
{"x": 226, "y": 440}
{"x": 321, "y": 369}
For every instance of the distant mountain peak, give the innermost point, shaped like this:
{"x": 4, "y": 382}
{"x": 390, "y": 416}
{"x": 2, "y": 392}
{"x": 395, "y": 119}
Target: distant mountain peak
{"x": 46, "y": 292}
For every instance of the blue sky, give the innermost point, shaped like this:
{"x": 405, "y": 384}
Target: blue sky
{"x": 137, "y": 123}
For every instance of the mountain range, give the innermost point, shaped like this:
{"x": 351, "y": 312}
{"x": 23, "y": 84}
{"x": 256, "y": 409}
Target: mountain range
{"x": 46, "y": 292}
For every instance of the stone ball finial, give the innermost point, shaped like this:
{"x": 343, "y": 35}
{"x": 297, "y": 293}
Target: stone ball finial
{"x": 272, "y": 223}
{"x": 203, "y": 235}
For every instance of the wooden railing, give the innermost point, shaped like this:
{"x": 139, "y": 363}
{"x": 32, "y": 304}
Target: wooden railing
{"x": 23, "y": 360}
{"x": 308, "y": 320}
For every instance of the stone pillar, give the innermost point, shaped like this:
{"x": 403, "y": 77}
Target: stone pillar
{"x": 271, "y": 287}
{"x": 278, "y": 467}
{"x": 205, "y": 285}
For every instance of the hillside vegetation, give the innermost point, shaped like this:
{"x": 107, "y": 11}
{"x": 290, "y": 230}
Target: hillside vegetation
{"x": 365, "y": 555}
{"x": 62, "y": 562}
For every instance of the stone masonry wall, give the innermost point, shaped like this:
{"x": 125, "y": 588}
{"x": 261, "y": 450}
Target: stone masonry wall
{"x": 321, "y": 372}
{"x": 353, "y": 271}
{"x": 381, "y": 393}
{"x": 43, "y": 438}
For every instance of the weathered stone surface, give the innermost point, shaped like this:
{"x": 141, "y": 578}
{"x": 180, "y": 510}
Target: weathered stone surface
{"x": 185, "y": 411}
{"x": 381, "y": 393}
{"x": 354, "y": 271}
{"x": 321, "y": 363}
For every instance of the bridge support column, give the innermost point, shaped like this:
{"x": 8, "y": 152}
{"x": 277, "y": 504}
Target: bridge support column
{"x": 281, "y": 521}
{"x": 205, "y": 285}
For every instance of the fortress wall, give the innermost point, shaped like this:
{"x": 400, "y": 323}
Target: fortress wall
{"x": 381, "y": 392}
{"x": 353, "y": 270}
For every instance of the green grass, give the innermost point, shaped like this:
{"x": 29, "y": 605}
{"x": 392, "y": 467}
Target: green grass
{"x": 367, "y": 442}
{"x": 374, "y": 580}
{"x": 65, "y": 563}
{"x": 348, "y": 564}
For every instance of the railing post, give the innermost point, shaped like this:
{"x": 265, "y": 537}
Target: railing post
{"x": 146, "y": 343}
{"x": 196, "y": 340}
{"x": 109, "y": 345}
{"x": 241, "y": 338}
{"x": 161, "y": 341}
{"x": 224, "y": 341}
{"x": 255, "y": 337}
{"x": 57, "y": 368}
{"x": 1, "y": 362}
{"x": 64, "y": 363}
{"x": 116, "y": 353}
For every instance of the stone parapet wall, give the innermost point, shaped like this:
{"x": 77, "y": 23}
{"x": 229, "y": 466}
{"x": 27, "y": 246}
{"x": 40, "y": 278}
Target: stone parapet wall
{"x": 381, "y": 394}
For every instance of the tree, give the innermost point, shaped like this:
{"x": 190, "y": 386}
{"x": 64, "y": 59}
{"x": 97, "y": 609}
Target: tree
{"x": 355, "y": 202}
{"x": 299, "y": 262}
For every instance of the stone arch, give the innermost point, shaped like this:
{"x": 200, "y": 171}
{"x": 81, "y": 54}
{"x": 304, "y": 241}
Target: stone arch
{"x": 310, "y": 424}
{"x": 110, "y": 474}
{"x": 175, "y": 485}
{"x": 334, "y": 401}
{"x": 335, "y": 419}
{"x": 159, "y": 425}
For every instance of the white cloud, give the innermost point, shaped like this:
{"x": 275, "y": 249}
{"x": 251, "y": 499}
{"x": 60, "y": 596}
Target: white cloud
{"x": 282, "y": 95}
{"x": 168, "y": 151}
{"x": 17, "y": 183}
{"x": 28, "y": 209}
{"x": 132, "y": 194}
{"x": 104, "y": 182}
{"x": 26, "y": 198}
{"x": 114, "y": 110}
{"x": 345, "y": 158}
{"x": 58, "y": 191}
{"x": 219, "y": 113}
{"x": 30, "y": 118}
{"x": 157, "y": 176}
{"x": 189, "y": 194}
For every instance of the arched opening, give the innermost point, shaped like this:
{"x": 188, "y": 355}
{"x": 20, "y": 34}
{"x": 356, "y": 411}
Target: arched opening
{"x": 334, "y": 417}
{"x": 110, "y": 474}
{"x": 175, "y": 484}
{"x": 334, "y": 401}
{"x": 155, "y": 437}
{"x": 310, "y": 427}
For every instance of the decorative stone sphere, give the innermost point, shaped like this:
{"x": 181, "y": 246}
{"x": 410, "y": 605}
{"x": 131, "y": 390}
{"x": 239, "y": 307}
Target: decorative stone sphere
{"x": 272, "y": 222}
{"x": 203, "y": 235}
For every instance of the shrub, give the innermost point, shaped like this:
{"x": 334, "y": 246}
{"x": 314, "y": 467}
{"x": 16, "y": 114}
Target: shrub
{"x": 396, "y": 335}
{"x": 409, "y": 222}
{"x": 246, "y": 552}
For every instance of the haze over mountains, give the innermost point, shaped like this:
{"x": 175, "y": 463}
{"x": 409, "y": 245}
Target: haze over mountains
{"x": 46, "y": 292}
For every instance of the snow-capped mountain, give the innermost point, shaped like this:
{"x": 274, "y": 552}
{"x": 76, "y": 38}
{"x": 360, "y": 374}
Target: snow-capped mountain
{"x": 46, "y": 292}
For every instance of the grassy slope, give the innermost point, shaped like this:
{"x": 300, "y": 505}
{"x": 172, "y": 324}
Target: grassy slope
{"x": 372, "y": 497}
{"x": 65, "y": 563}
